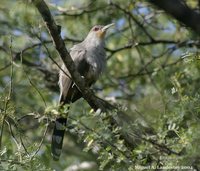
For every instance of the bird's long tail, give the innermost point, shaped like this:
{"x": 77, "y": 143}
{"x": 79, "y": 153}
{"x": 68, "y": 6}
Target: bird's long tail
{"x": 57, "y": 137}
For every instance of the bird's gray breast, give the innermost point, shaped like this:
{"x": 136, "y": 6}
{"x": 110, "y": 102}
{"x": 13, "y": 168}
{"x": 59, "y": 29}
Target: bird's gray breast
{"x": 96, "y": 58}
{"x": 90, "y": 61}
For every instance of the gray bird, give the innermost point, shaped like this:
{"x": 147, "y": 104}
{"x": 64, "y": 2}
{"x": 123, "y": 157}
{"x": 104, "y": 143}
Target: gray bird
{"x": 90, "y": 59}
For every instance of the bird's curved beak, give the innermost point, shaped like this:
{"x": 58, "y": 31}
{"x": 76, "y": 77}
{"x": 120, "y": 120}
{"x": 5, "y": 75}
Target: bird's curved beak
{"x": 107, "y": 27}
{"x": 101, "y": 33}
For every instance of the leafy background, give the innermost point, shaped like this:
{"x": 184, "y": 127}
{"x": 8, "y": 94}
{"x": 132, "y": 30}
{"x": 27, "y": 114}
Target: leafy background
{"x": 152, "y": 75}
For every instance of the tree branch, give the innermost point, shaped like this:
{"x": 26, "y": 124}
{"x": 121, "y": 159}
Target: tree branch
{"x": 179, "y": 10}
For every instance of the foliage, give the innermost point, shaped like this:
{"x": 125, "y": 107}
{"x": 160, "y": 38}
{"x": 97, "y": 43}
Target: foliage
{"x": 152, "y": 75}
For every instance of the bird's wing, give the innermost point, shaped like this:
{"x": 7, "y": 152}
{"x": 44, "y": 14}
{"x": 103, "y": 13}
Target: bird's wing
{"x": 68, "y": 91}
{"x": 64, "y": 83}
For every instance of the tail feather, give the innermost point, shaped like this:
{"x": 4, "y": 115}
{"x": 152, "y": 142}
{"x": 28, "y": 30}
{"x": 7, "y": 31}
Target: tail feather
{"x": 61, "y": 122}
{"x": 57, "y": 138}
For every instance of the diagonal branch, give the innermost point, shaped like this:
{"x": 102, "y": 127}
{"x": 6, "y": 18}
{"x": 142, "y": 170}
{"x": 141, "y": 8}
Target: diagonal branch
{"x": 179, "y": 10}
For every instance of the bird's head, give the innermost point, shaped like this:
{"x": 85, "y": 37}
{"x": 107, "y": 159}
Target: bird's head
{"x": 100, "y": 31}
{"x": 97, "y": 33}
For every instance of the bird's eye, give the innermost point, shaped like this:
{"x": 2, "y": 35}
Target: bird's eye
{"x": 96, "y": 28}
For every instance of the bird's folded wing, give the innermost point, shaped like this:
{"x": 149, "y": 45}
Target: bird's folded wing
{"x": 68, "y": 90}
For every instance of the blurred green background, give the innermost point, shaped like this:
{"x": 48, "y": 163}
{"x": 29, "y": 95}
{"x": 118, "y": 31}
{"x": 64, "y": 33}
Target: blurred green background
{"x": 152, "y": 74}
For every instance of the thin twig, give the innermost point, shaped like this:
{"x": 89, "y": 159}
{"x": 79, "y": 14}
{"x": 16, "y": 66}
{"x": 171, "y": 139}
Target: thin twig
{"x": 105, "y": 140}
{"x": 42, "y": 140}
{"x": 7, "y": 99}
{"x": 32, "y": 84}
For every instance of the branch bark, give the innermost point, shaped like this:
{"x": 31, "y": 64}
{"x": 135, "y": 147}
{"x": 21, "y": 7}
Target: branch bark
{"x": 179, "y": 10}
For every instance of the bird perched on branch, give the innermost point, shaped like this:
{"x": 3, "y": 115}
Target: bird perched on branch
{"x": 90, "y": 59}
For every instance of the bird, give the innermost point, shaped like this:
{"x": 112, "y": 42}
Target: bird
{"x": 89, "y": 58}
